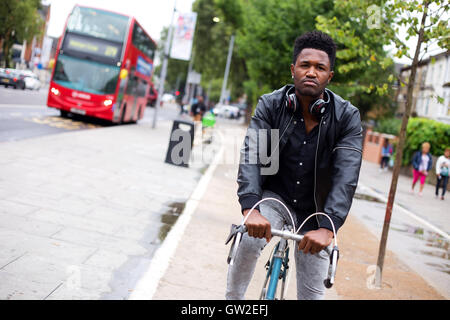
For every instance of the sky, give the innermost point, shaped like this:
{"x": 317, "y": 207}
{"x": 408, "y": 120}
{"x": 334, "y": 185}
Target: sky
{"x": 153, "y": 15}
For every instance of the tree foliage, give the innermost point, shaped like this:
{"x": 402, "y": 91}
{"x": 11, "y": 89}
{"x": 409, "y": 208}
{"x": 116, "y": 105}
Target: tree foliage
{"x": 212, "y": 39}
{"x": 364, "y": 29}
{"x": 265, "y": 34}
{"x": 19, "y": 20}
{"x": 389, "y": 126}
{"x": 422, "y": 130}
{"x": 364, "y": 71}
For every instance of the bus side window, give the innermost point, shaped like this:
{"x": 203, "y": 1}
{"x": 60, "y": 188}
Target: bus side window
{"x": 132, "y": 85}
{"x": 142, "y": 88}
{"x": 142, "y": 42}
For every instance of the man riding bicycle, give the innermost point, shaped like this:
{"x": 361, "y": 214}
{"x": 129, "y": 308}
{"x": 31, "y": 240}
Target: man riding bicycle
{"x": 320, "y": 150}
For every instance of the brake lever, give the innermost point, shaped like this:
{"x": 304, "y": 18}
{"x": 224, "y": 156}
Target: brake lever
{"x": 235, "y": 235}
{"x": 334, "y": 257}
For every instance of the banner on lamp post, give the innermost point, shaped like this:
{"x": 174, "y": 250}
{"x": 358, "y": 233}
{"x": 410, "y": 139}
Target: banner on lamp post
{"x": 183, "y": 36}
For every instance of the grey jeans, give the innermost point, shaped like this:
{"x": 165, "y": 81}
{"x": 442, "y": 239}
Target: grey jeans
{"x": 311, "y": 269}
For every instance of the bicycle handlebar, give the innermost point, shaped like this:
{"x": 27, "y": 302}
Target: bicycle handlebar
{"x": 285, "y": 234}
{"x": 236, "y": 235}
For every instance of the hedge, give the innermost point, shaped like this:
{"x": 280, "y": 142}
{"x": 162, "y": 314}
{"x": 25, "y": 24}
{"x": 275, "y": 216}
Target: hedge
{"x": 420, "y": 130}
{"x": 389, "y": 125}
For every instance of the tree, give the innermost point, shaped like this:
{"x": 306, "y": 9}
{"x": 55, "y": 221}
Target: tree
{"x": 426, "y": 23}
{"x": 211, "y": 41}
{"x": 19, "y": 20}
{"x": 267, "y": 36}
{"x": 364, "y": 70}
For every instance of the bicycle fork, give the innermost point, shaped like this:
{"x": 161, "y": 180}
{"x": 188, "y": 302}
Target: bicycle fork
{"x": 277, "y": 268}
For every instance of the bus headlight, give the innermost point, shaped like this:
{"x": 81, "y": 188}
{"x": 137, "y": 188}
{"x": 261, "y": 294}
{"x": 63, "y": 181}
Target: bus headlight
{"x": 107, "y": 102}
{"x": 55, "y": 91}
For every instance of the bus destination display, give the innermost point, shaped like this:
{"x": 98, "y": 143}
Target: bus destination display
{"x": 100, "y": 48}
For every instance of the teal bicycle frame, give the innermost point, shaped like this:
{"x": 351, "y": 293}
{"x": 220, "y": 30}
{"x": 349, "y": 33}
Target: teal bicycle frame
{"x": 274, "y": 271}
{"x": 278, "y": 265}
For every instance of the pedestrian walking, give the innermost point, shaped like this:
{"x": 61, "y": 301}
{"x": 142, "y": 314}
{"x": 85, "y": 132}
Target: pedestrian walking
{"x": 422, "y": 163}
{"x": 386, "y": 153}
{"x": 442, "y": 170}
{"x": 179, "y": 102}
{"x": 198, "y": 109}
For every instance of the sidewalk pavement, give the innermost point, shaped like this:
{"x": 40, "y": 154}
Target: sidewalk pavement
{"x": 427, "y": 207}
{"x": 82, "y": 212}
{"x": 418, "y": 233}
{"x": 198, "y": 268}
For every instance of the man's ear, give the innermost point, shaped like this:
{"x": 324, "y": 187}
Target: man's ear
{"x": 292, "y": 70}
{"x": 330, "y": 76}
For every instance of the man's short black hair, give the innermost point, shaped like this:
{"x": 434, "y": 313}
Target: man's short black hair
{"x": 315, "y": 40}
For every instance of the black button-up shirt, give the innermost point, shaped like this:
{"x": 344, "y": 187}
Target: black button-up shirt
{"x": 294, "y": 181}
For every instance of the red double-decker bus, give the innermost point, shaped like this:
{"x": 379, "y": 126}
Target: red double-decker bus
{"x": 103, "y": 67}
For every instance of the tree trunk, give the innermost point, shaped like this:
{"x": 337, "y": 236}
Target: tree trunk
{"x": 6, "y": 47}
{"x": 399, "y": 156}
{"x": 248, "y": 114}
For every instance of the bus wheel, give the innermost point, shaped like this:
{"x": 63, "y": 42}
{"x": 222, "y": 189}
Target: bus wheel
{"x": 63, "y": 113}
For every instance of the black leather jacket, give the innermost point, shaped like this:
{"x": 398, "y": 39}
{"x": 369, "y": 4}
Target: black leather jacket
{"x": 338, "y": 160}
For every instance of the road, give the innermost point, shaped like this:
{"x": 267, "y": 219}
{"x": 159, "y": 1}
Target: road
{"x": 24, "y": 114}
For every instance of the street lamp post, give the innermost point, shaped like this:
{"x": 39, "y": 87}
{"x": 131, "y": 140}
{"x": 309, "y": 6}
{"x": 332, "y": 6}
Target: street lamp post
{"x": 227, "y": 70}
{"x": 187, "y": 90}
{"x": 162, "y": 78}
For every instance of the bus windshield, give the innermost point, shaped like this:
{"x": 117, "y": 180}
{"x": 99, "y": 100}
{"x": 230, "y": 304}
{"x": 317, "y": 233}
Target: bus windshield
{"x": 85, "y": 75}
{"x": 98, "y": 24}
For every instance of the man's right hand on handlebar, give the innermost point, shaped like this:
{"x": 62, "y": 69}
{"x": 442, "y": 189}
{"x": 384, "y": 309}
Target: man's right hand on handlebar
{"x": 257, "y": 225}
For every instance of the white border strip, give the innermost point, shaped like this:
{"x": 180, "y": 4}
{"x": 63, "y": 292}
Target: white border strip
{"x": 406, "y": 211}
{"x": 147, "y": 285}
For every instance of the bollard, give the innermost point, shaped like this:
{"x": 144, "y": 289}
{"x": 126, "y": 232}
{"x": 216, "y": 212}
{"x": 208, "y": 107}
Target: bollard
{"x": 180, "y": 143}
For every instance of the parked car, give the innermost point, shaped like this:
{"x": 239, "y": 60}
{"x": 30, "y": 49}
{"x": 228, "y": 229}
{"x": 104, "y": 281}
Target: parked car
{"x": 167, "y": 97}
{"x": 31, "y": 80}
{"x": 226, "y": 111}
{"x": 12, "y": 78}
{"x": 2, "y": 76}
{"x": 242, "y": 109}
{"x": 152, "y": 96}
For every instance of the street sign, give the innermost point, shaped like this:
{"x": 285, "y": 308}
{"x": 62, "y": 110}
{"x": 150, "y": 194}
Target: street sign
{"x": 183, "y": 36}
{"x": 194, "y": 77}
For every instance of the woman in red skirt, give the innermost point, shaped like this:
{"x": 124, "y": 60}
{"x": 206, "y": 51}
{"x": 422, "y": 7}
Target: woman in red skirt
{"x": 422, "y": 163}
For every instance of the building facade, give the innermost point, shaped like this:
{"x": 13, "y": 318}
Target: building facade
{"x": 432, "y": 81}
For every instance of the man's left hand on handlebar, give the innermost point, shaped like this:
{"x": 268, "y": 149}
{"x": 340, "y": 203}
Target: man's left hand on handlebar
{"x": 316, "y": 240}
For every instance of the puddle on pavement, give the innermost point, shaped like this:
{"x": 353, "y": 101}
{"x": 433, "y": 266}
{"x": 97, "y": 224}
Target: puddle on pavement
{"x": 445, "y": 267}
{"x": 436, "y": 246}
{"x": 203, "y": 169}
{"x": 366, "y": 197}
{"x": 169, "y": 218}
